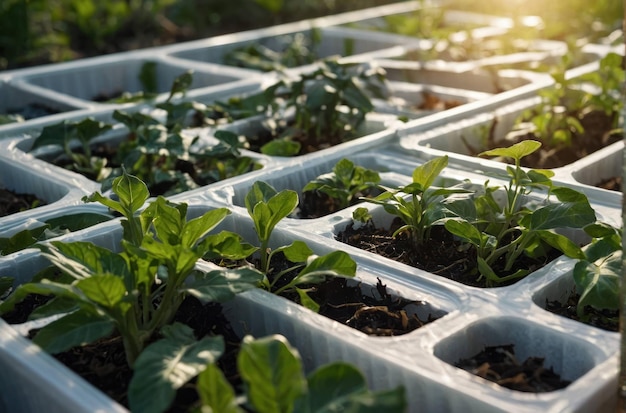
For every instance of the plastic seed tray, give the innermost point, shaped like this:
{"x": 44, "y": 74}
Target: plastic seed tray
{"x": 469, "y": 318}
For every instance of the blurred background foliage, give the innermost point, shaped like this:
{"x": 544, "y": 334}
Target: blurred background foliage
{"x": 34, "y": 32}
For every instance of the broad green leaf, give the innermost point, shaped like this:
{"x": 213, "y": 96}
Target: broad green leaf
{"x": 464, "y": 230}
{"x": 562, "y": 243}
{"x": 133, "y": 193}
{"x": 197, "y": 228}
{"x": 76, "y": 329}
{"x": 216, "y": 393}
{"x": 267, "y": 216}
{"x": 336, "y": 263}
{"x": 82, "y": 259}
{"x": 57, "y": 305}
{"x": 307, "y": 301}
{"x": 22, "y": 240}
{"x": 486, "y": 271}
{"x": 168, "y": 364}
{"x": 89, "y": 128}
{"x": 273, "y": 6}
{"x": 298, "y": 251}
{"x": 260, "y": 192}
{"x": 562, "y": 215}
{"x": 44, "y": 287}
{"x": 75, "y": 222}
{"x": 272, "y": 370}
{"x": 281, "y": 147}
{"x": 105, "y": 289}
{"x": 181, "y": 83}
{"x": 227, "y": 245}
{"x": 601, "y": 248}
{"x": 601, "y": 230}
{"x": 516, "y": 151}
{"x": 223, "y": 285}
{"x": 341, "y": 387}
{"x": 56, "y": 134}
{"x": 598, "y": 282}
{"x": 167, "y": 221}
{"x": 425, "y": 174}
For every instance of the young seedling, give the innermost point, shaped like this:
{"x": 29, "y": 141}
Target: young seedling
{"x": 419, "y": 204}
{"x": 273, "y": 373}
{"x": 66, "y": 133}
{"x": 267, "y": 208}
{"x": 136, "y": 293}
{"x": 512, "y": 228}
{"x": 345, "y": 182}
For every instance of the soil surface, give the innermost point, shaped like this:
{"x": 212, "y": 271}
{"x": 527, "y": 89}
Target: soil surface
{"x": 499, "y": 365}
{"x": 441, "y": 254}
{"x": 433, "y": 102}
{"x": 389, "y": 315}
{"x": 32, "y": 111}
{"x": 11, "y": 202}
{"x": 604, "y": 319}
{"x": 598, "y": 134}
{"x": 103, "y": 363}
{"x": 315, "y": 204}
{"x": 612, "y": 184}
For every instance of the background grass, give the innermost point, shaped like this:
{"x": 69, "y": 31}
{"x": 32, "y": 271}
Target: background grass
{"x": 34, "y": 32}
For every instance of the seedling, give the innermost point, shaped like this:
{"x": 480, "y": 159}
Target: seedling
{"x": 419, "y": 204}
{"x": 299, "y": 51}
{"x": 66, "y": 133}
{"x": 512, "y": 228}
{"x": 137, "y": 292}
{"x": 267, "y": 208}
{"x": 273, "y": 373}
{"x": 556, "y": 121}
{"x": 345, "y": 182}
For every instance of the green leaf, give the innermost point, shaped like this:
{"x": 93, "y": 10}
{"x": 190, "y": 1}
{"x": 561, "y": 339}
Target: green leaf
{"x": 281, "y": 147}
{"x": 132, "y": 191}
{"x": 260, "y": 192}
{"x": 341, "y": 387}
{"x": 75, "y": 222}
{"x": 336, "y": 263}
{"x": 297, "y": 251}
{"x": 215, "y": 392}
{"x": 562, "y": 243}
{"x": 45, "y": 287}
{"x": 82, "y": 259}
{"x": 89, "y": 128}
{"x": 516, "y": 151}
{"x": 22, "y": 240}
{"x": 272, "y": 370}
{"x": 598, "y": 282}
{"x": 168, "y": 364}
{"x": 56, "y": 134}
{"x": 76, "y": 329}
{"x": 425, "y": 174}
{"x": 105, "y": 289}
{"x": 227, "y": 245}
{"x": 222, "y": 285}
{"x": 307, "y": 301}
{"x": 465, "y": 231}
{"x": 6, "y": 284}
{"x": 563, "y": 215}
{"x": 197, "y": 228}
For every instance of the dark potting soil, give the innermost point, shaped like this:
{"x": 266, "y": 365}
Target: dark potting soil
{"x": 22, "y": 310}
{"x": 604, "y": 319}
{"x": 11, "y": 202}
{"x": 499, "y": 365}
{"x": 32, "y": 111}
{"x": 612, "y": 184}
{"x": 433, "y": 102}
{"x": 598, "y": 134}
{"x": 389, "y": 315}
{"x": 441, "y": 254}
{"x": 103, "y": 363}
{"x": 315, "y": 204}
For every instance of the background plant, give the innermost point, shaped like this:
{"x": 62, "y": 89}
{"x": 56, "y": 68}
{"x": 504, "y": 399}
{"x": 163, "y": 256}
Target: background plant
{"x": 346, "y": 181}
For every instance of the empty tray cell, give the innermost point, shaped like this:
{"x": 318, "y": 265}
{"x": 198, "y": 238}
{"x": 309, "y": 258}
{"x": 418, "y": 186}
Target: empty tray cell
{"x": 106, "y": 81}
{"x": 567, "y": 356}
{"x": 602, "y": 169}
{"x": 19, "y": 105}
